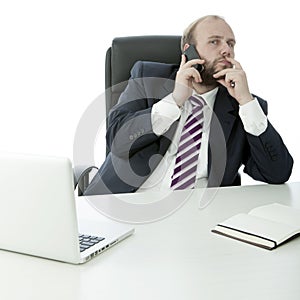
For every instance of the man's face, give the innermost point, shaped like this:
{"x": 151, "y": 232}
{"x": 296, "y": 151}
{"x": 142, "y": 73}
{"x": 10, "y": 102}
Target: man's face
{"x": 214, "y": 42}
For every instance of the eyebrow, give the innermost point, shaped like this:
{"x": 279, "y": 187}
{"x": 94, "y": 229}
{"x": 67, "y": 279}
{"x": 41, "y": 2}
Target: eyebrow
{"x": 222, "y": 37}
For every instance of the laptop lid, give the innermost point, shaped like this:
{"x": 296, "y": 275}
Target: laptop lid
{"x": 37, "y": 208}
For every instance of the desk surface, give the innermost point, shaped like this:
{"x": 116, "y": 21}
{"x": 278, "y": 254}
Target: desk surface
{"x": 175, "y": 258}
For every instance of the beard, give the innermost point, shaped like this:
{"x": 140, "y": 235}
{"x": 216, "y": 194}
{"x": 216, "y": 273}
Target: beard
{"x": 210, "y": 69}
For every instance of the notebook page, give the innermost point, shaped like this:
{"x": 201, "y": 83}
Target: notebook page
{"x": 278, "y": 213}
{"x": 257, "y": 226}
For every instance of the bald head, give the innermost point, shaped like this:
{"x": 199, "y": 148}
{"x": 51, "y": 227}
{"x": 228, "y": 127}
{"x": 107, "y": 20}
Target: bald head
{"x": 200, "y": 25}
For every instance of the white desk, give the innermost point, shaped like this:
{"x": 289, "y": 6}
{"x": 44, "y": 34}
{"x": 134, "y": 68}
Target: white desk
{"x": 175, "y": 258}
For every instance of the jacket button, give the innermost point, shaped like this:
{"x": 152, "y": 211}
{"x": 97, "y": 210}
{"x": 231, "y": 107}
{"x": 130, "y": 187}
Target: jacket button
{"x": 131, "y": 137}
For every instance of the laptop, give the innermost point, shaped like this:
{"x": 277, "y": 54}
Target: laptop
{"x": 38, "y": 211}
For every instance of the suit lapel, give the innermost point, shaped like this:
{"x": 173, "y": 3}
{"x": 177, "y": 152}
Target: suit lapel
{"x": 223, "y": 119}
{"x": 226, "y": 111}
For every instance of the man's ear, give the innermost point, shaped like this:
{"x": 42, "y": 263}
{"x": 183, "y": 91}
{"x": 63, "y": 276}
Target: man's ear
{"x": 185, "y": 47}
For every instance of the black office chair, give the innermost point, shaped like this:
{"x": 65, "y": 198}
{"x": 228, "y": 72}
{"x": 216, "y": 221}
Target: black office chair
{"x": 120, "y": 58}
{"x": 125, "y": 51}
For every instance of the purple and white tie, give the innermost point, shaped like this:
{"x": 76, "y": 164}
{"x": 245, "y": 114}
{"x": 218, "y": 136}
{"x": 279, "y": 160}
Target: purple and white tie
{"x": 184, "y": 175}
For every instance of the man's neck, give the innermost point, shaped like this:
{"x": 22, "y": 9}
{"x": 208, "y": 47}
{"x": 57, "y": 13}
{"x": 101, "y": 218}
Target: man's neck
{"x": 201, "y": 89}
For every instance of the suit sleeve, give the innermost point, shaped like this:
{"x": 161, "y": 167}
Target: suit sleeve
{"x": 268, "y": 159}
{"x": 129, "y": 124}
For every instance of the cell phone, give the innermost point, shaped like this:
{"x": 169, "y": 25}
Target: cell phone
{"x": 191, "y": 53}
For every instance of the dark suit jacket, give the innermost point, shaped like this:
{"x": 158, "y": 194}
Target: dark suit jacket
{"x": 135, "y": 150}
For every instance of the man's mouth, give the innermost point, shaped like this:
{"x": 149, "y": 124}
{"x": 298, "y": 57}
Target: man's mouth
{"x": 225, "y": 62}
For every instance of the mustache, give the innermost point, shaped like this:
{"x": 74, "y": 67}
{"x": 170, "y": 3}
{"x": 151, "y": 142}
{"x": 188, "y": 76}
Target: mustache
{"x": 222, "y": 60}
{"x": 218, "y": 60}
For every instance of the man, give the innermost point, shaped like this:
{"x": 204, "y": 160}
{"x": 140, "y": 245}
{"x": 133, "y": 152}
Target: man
{"x": 149, "y": 127}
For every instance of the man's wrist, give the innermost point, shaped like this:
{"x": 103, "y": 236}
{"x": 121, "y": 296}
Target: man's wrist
{"x": 246, "y": 99}
{"x": 179, "y": 103}
{"x": 163, "y": 114}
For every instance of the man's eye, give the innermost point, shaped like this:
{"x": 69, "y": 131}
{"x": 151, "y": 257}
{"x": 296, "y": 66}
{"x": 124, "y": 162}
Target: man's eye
{"x": 214, "y": 42}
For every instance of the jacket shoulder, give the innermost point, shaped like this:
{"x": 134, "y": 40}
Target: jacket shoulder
{"x": 153, "y": 69}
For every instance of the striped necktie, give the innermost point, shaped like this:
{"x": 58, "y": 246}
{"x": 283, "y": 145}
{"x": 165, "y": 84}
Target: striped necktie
{"x": 184, "y": 175}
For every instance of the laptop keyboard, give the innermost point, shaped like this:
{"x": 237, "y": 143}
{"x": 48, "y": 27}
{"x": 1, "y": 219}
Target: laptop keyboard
{"x": 87, "y": 241}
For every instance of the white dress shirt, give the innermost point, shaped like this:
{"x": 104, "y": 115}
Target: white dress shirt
{"x": 166, "y": 112}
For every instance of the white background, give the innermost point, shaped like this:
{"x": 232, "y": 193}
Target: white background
{"x": 52, "y": 56}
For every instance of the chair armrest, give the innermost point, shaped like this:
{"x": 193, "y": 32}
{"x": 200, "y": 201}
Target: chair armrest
{"x": 82, "y": 177}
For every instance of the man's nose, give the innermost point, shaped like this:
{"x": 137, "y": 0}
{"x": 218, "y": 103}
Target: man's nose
{"x": 226, "y": 50}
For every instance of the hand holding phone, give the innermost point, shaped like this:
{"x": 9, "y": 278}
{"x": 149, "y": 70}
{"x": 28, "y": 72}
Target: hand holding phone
{"x": 191, "y": 53}
{"x": 187, "y": 75}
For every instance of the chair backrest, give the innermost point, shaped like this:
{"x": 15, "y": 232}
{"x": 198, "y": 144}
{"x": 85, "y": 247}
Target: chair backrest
{"x": 125, "y": 51}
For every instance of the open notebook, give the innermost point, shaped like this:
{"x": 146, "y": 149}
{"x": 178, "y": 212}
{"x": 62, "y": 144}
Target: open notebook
{"x": 266, "y": 226}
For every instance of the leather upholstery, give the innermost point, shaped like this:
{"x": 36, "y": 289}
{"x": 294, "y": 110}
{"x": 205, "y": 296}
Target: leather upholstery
{"x": 125, "y": 51}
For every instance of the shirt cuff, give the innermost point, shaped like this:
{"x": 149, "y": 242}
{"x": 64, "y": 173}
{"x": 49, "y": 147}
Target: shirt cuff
{"x": 254, "y": 120}
{"x": 164, "y": 113}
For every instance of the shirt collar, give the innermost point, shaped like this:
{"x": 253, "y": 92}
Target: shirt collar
{"x": 209, "y": 97}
